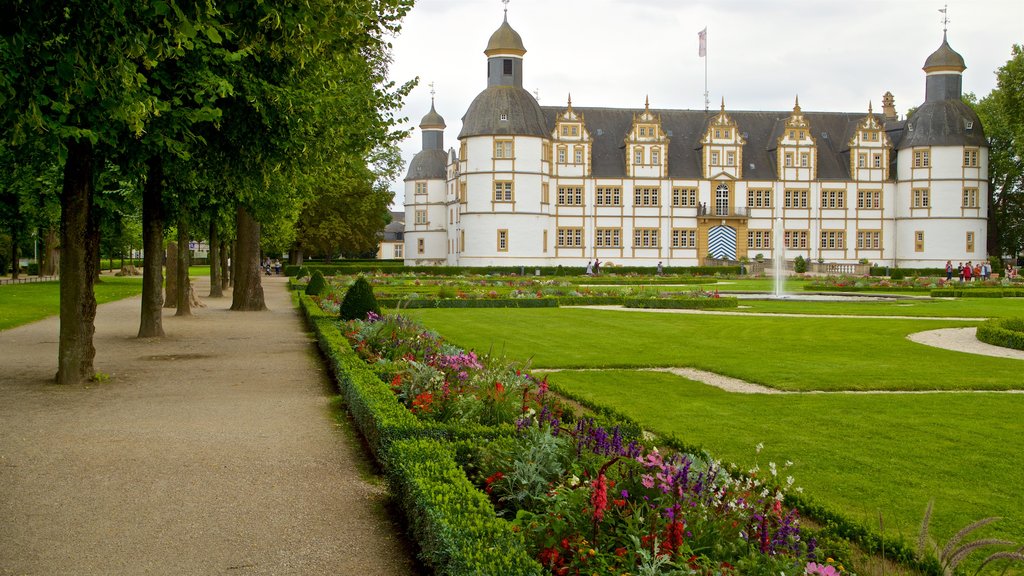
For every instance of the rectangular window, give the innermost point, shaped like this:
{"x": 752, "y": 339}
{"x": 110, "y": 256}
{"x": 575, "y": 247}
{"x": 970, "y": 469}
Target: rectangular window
{"x": 759, "y": 198}
{"x": 545, "y": 151}
{"x": 399, "y": 248}
{"x": 862, "y": 160}
{"x": 545, "y": 193}
{"x": 561, "y": 155}
{"x": 656, "y": 157}
{"x": 645, "y": 196}
{"x": 869, "y": 239}
{"x": 759, "y": 239}
{"x": 970, "y": 241}
{"x": 569, "y": 238}
{"x": 502, "y": 240}
{"x": 970, "y": 198}
{"x": 869, "y": 199}
{"x": 684, "y": 238}
{"x": 577, "y": 155}
{"x": 805, "y": 159}
{"x": 503, "y": 191}
{"x": 462, "y": 241}
{"x": 609, "y": 196}
{"x": 608, "y": 238}
{"x": 877, "y": 160}
{"x": 922, "y": 158}
{"x": 795, "y": 198}
{"x": 970, "y": 157}
{"x": 795, "y": 239}
{"x": 922, "y": 198}
{"x": 833, "y": 199}
{"x": 919, "y": 241}
{"x": 638, "y": 155}
{"x": 421, "y": 187}
{"x": 503, "y": 149}
{"x": 645, "y": 237}
{"x": 421, "y": 217}
{"x": 684, "y": 197}
{"x": 833, "y": 239}
{"x": 730, "y": 158}
{"x": 462, "y": 193}
{"x": 789, "y": 159}
{"x": 714, "y": 158}
{"x": 570, "y": 196}
{"x": 545, "y": 241}
{"x": 420, "y": 245}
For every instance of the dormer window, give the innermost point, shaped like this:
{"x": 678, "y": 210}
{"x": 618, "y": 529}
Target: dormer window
{"x": 504, "y": 117}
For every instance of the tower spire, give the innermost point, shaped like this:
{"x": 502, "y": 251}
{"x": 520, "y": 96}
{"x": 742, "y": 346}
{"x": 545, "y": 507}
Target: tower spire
{"x": 945, "y": 19}
{"x": 505, "y": 2}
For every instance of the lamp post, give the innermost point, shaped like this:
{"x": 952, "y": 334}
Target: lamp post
{"x": 35, "y": 249}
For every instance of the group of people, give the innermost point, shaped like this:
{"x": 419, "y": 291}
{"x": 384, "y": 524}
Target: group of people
{"x": 594, "y": 268}
{"x": 271, "y": 266}
{"x": 974, "y": 272}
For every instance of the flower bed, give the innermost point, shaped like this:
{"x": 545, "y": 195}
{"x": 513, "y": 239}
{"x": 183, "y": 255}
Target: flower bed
{"x": 1005, "y": 332}
{"x": 982, "y": 292}
{"x": 695, "y": 303}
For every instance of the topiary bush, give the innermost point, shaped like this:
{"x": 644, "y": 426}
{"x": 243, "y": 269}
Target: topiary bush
{"x": 317, "y": 285}
{"x": 359, "y": 300}
{"x": 1005, "y": 332}
{"x": 799, "y": 265}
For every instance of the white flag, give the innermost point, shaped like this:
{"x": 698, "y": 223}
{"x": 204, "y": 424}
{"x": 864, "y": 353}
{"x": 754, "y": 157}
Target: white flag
{"x": 703, "y": 36}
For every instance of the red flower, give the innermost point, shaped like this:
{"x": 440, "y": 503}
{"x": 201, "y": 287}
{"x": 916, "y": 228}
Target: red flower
{"x": 499, "y": 387}
{"x": 620, "y": 551}
{"x": 492, "y": 479}
{"x": 599, "y": 497}
{"x": 396, "y": 381}
{"x": 422, "y": 402}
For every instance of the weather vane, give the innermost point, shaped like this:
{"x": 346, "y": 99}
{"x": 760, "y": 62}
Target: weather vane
{"x": 945, "y": 17}
{"x": 505, "y": 2}
{"x": 431, "y": 91}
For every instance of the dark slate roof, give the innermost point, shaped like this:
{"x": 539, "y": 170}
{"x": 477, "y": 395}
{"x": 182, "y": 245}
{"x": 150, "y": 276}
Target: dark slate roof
{"x": 483, "y": 118}
{"x": 943, "y": 123}
{"x": 608, "y": 127}
{"x": 432, "y": 119}
{"x": 945, "y": 58}
{"x": 428, "y": 165}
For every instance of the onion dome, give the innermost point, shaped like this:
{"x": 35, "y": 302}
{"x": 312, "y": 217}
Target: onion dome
{"x": 432, "y": 120}
{"x": 505, "y": 40}
{"x": 945, "y": 59}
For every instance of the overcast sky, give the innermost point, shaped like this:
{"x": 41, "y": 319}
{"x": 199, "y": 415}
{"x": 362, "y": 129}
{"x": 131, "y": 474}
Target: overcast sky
{"x": 835, "y": 54}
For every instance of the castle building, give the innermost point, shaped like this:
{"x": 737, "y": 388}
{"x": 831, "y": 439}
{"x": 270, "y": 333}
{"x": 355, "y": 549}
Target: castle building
{"x": 541, "y": 185}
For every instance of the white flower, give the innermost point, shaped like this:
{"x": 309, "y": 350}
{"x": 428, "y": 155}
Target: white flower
{"x": 759, "y": 447}
{"x": 789, "y": 480}
{"x": 574, "y": 481}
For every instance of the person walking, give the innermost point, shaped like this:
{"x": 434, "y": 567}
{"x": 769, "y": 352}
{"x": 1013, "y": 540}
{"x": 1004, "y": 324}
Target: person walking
{"x": 597, "y": 267}
{"x": 960, "y": 270}
{"x": 660, "y": 269}
{"x": 590, "y": 269}
{"x": 949, "y": 270}
{"x": 968, "y": 271}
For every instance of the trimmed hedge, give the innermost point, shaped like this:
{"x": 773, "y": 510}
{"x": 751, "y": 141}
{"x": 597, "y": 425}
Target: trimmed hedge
{"x": 359, "y": 301}
{"x": 396, "y": 266}
{"x": 453, "y": 522}
{"x": 469, "y": 303}
{"x": 316, "y": 285}
{"x": 978, "y": 293}
{"x": 831, "y": 288}
{"x": 682, "y": 303}
{"x": 1005, "y": 332}
{"x": 900, "y": 273}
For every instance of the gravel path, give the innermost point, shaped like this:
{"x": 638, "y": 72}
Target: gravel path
{"x": 211, "y": 451}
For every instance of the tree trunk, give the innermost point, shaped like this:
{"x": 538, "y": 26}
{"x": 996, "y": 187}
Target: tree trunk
{"x": 151, "y": 324}
{"x": 215, "y": 288}
{"x": 184, "y": 301}
{"x": 171, "y": 286}
{"x": 75, "y": 351}
{"x": 14, "y": 251}
{"x": 248, "y": 291}
{"x": 298, "y": 256}
{"x": 51, "y": 253}
{"x": 225, "y": 265}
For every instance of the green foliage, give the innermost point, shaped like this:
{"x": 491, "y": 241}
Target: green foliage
{"x": 469, "y": 303}
{"x": 969, "y": 292}
{"x": 954, "y": 552}
{"x": 682, "y": 303}
{"x": 317, "y": 284}
{"x": 1005, "y": 332}
{"x": 799, "y": 265}
{"x": 359, "y": 301}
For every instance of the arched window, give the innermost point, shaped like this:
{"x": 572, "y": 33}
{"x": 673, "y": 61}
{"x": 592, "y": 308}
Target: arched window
{"x": 722, "y": 200}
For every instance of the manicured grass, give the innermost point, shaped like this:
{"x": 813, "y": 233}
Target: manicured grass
{"x": 24, "y": 303}
{"x": 781, "y": 352}
{"x": 863, "y": 454}
{"x": 919, "y": 307}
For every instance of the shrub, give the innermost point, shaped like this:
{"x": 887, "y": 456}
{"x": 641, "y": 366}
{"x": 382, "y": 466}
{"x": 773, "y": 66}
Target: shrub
{"x": 317, "y": 285}
{"x": 682, "y": 303}
{"x": 359, "y": 301}
{"x": 1005, "y": 332}
{"x": 799, "y": 265}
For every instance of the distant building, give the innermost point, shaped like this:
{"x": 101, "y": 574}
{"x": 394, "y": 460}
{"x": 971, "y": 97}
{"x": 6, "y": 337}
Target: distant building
{"x": 392, "y": 240}
{"x": 533, "y": 185}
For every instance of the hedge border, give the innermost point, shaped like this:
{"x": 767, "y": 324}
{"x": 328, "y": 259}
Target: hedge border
{"x": 366, "y": 267}
{"x": 978, "y": 293}
{"x": 1004, "y": 332}
{"x": 682, "y": 303}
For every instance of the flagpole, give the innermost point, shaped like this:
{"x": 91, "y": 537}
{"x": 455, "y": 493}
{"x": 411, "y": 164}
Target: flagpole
{"x": 707, "y": 100}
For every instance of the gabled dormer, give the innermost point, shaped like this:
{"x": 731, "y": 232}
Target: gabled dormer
{"x": 571, "y": 142}
{"x": 869, "y": 150}
{"x": 796, "y": 149}
{"x": 722, "y": 147}
{"x": 646, "y": 146}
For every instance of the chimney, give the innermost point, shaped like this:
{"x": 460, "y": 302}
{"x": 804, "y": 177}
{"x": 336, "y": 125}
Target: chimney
{"x": 889, "y": 107}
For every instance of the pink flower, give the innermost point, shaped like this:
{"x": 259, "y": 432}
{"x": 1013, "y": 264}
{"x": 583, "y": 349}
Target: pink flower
{"x": 647, "y": 480}
{"x": 821, "y": 569}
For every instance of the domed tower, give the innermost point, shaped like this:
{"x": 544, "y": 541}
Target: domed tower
{"x": 502, "y": 164}
{"x": 942, "y": 173}
{"x": 426, "y": 239}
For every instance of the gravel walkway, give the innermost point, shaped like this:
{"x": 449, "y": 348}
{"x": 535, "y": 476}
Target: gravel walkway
{"x": 211, "y": 451}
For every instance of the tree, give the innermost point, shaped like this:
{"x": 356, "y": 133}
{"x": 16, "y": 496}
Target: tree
{"x": 1002, "y": 115}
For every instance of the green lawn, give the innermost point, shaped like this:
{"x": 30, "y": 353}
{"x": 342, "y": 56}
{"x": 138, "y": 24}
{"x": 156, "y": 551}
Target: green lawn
{"x": 919, "y": 307}
{"x": 24, "y": 303}
{"x": 864, "y": 454}
{"x": 781, "y": 352}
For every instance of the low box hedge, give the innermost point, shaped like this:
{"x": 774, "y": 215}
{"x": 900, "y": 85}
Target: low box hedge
{"x": 682, "y": 303}
{"x": 456, "y": 527}
{"x": 397, "y": 266}
{"x": 832, "y": 288}
{"x": 978, "y": 293}
{"x": 468, "y": 303}
{"x": 1005, "y": 332}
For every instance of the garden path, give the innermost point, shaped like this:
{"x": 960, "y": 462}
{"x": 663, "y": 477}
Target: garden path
{"x": 214, "y": 450}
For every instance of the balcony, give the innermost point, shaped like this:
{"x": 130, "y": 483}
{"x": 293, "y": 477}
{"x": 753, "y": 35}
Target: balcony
{"x": 723, "y": 212}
